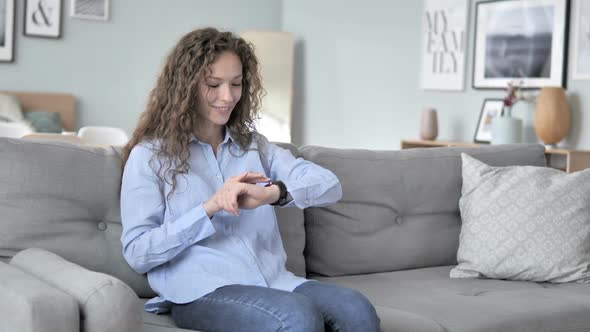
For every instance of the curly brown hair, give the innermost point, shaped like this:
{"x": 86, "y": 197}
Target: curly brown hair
{"x": 171, "y": 112}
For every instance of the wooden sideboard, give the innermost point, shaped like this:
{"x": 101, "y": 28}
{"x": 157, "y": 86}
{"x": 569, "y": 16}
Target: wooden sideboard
{"x": 563, "y": 159}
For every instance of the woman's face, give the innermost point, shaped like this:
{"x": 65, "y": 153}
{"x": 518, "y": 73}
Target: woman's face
{"x": 220, "y": 92}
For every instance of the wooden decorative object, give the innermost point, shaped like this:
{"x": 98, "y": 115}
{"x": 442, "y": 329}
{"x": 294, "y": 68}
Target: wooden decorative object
{"x": 552, "y": 115}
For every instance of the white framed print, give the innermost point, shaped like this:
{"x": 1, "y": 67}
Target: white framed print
{"x": 520, "y": 40}
{"x": 90, "y": 9}
{"x": 491, "y": 108}
{"x": 444, "y": 38}
{"x": 7, "y": 12}
{"x": 42, "y": 18}
{"x": 581, "y": 35}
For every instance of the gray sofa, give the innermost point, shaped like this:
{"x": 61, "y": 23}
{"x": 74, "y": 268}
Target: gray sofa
{"x": 393, "y": 236}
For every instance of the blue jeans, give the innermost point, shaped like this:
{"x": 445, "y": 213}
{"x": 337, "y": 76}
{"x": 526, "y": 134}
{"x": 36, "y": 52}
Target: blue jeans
{"x": 310, "y": 307}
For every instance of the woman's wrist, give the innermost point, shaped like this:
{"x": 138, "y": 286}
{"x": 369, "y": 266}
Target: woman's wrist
{"x": 274, "y": 193}
{"x": 210, "y": 208}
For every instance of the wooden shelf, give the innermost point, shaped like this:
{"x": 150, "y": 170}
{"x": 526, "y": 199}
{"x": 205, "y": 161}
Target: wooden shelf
{"x": 563, "y": 159}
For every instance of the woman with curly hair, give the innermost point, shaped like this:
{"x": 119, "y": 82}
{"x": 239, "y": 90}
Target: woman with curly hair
{"x": 197, "y": 191}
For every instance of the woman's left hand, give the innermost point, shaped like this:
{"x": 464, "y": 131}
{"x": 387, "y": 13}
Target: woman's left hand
{"x": 256, "y": 196}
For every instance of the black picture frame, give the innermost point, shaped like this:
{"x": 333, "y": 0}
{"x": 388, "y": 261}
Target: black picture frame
{"x": 521, "y": 40}
{"x": 7, "y": 27}
{"x": 43, "y": 18}
{"x": 490, "y": 108}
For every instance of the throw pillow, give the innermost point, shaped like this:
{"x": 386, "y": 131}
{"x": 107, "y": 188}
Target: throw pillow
{"x": 44, "y": 122}
{"x": 10, "y": 110}
{"x": 524, "y": 223}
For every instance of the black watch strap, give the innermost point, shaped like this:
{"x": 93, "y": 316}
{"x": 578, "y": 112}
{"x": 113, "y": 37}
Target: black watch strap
{"x": 282, "y": 201}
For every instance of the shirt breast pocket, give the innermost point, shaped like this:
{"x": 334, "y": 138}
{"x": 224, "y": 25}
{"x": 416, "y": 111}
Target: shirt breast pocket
{"x": 256, "y": 164}
{"x": 190, "y": 191}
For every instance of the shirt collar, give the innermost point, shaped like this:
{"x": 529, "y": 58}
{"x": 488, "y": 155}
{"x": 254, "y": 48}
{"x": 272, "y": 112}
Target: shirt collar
{"x": 227, "y": 138}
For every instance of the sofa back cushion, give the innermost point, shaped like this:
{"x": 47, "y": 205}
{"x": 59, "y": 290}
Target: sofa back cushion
{"x": 64, "y": 198}
{"x": 292, "y": 229}
{"x": 399, "y": 210}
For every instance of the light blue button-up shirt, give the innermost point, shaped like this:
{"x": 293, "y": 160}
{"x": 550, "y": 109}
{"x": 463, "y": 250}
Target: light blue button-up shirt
{"x": 187, "y": 255}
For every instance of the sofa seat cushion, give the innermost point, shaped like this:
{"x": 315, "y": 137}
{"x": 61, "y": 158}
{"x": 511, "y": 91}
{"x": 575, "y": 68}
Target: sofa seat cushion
{"x": 427, "y": 300}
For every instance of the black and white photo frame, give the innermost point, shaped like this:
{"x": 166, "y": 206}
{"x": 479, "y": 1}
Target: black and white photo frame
{"x": 90, "y": 9}
{"x": 520, "y": 39}
{"x": 7, "y": 15}
{"x": 42, "y": 18}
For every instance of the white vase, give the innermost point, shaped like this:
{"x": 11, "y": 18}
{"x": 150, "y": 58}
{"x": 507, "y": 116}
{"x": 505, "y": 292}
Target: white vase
{"x": 506, "y": 130}
{"x": 526, "y": 111}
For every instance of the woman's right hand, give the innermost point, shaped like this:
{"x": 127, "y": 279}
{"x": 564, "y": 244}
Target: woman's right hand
{"x": 226, "y": 198}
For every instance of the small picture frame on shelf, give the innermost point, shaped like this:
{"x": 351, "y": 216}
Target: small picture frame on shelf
{"x": 7, "y": 11}
{"x": 491, "y": 108}
{"x": 90, "y": 9}
{"x": 517, "y": 39}
{"x": 42, "y": 18}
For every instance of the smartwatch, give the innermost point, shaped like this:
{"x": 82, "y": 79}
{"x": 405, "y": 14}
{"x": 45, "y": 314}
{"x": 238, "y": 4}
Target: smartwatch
{"x": 282, "y": 201}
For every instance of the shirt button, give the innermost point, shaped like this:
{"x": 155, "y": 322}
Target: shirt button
{"x": 218, "y": 176}
{"x": 306, "y": 202}
{"x": 102, "y": 225}
{"x": 399, "y": 220}
{"x": 190, "y": 239}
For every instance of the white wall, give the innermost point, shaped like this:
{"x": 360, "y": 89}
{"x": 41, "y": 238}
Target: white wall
{"x": 357, "y": 77}
{"x": 357, "y": 66}
{"x": 111, "y": 66}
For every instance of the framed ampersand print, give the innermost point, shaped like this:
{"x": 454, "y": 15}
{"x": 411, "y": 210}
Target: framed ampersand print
{"x": 43, "y": 18}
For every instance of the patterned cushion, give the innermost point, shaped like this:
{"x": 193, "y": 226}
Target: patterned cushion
{"x": 524, "y": 223}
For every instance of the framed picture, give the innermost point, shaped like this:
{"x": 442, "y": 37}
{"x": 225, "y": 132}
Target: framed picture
{"x": 7, "y": 30}
{"x": 444, "y": 36}
{"x": 90, "y": 9}
{"x": 581, "y": 35}
{"x": 42, "y": 18}
{"x": 520, "y": 39}
{"x": 490, "y": 109}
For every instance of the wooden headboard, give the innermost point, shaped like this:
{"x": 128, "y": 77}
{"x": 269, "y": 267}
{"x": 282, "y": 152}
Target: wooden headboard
{"x": 62, "y": 103}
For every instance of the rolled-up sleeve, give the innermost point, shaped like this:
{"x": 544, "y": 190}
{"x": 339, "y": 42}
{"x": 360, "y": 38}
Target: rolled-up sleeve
{"x": 148, "y": 239}
{"x": 309, "y": 184}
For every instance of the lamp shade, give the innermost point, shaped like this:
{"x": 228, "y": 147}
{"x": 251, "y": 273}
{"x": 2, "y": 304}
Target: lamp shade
{"x": 552, "y": 115}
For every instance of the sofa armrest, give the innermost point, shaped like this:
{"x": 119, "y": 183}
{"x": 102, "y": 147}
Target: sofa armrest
{"x": 28, "y": 304}
{"x": 106, "y": 303}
